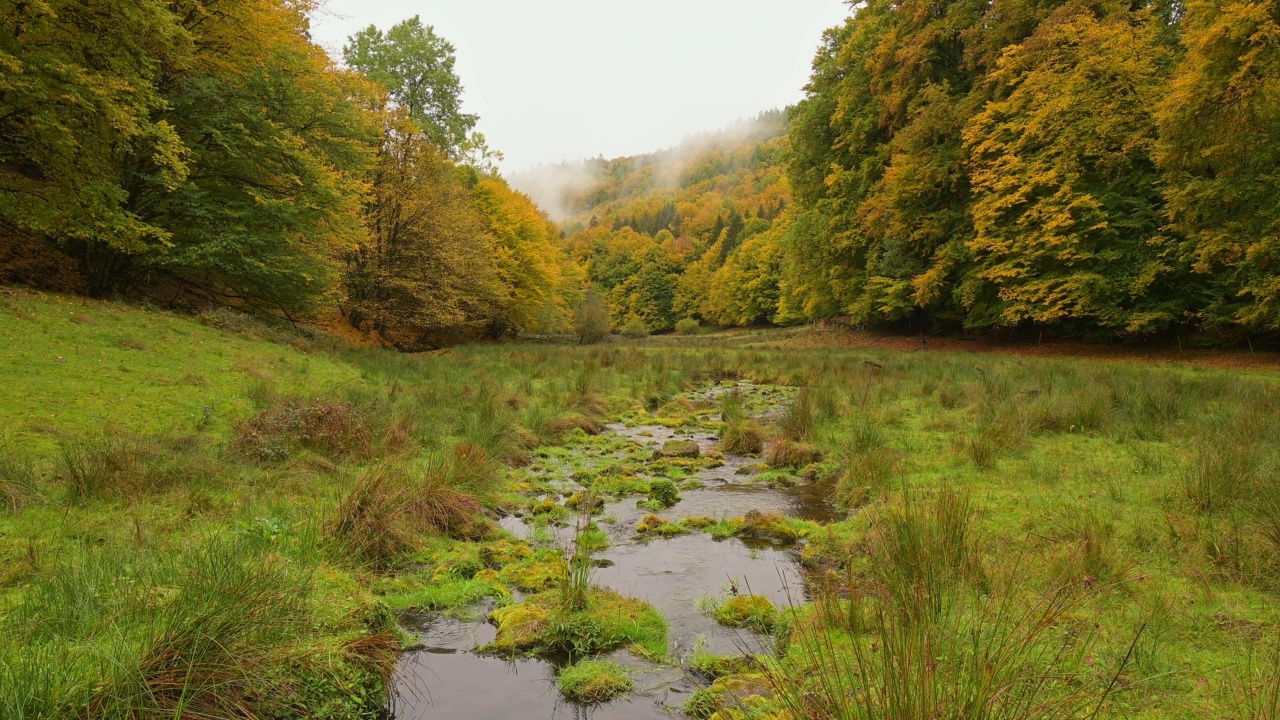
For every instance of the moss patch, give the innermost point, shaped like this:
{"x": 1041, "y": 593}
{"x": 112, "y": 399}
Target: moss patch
{"x": 748, "y": 611}
{"x": 594, "y": 681}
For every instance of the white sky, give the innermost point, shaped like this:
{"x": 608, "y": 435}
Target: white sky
{"x": 557, "y": 80}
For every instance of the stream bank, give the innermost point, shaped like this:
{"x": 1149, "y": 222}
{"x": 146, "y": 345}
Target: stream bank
{"x": 683, "y": 577}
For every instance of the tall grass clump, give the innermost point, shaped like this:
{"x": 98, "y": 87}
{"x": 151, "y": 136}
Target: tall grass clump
{"x": 575, "y": 582}
{"x": 739, "y": 435}
{"x": 489, "y": 419}
{"x": 869, "y": 462}
{"x": 1257, "y": 695}
{"x": 983, "y": 659}
{"x": 115, "y": 466}
{"x": 1087, "y": 546}
{"x": 922, "y": 551}
{"x": 799, "y": 420}
{"x": 1222, "y": 471}
{"x": 216, "y": 631}
{"x": 393, "y": 508}
{"x": 18, "y": 483}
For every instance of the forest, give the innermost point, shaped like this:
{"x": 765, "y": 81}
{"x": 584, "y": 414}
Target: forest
{"x": 218, "y": 157}
{"x": 1103, "y": 171}
{"x": 949, "y": 392}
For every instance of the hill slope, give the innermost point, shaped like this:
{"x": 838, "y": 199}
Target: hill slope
{"x": 681, "y": 233}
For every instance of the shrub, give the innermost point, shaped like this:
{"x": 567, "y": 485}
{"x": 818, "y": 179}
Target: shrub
{"x": 594, "y": 681}
{"x": 591, "y": 320}
{"x": 634, "y": 329}
{"x": 688, "y": 326}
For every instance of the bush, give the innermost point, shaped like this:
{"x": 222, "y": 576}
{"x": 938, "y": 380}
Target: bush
{"x": 591, "y": 320}
{"x": 635, "y": 329}
{"x": 688, "y": 326}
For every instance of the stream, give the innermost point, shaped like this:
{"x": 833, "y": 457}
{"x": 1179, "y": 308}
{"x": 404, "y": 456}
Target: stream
{"x": 445, "y": 678}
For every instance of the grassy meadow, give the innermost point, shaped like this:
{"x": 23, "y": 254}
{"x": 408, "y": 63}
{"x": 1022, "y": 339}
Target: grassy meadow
{"x": 210, "y": 518}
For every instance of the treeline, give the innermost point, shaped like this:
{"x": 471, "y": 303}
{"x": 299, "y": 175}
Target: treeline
{"x": 1099, "y": 167}
{"x": 1095, "y": 169}
{"x": 195, "y": 152}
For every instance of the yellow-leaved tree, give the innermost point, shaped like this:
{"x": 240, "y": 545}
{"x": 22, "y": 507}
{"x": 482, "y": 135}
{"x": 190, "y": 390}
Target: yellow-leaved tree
{"x": 528, "y": 259}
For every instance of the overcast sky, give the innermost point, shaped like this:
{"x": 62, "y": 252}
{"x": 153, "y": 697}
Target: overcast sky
{"x": 560, "y": 80}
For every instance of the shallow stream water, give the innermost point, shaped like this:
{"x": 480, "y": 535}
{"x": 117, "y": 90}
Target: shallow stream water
{"x": 447, "y": 679}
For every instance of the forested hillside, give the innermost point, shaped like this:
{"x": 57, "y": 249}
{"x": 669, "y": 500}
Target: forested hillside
{"x": 196, "y": 153}
{"x": 1100, "y": 168}
{"x": 689, "y": 232}
{"x": 1093, "y": 169}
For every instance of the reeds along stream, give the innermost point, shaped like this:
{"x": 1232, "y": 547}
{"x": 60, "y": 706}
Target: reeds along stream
{"x": 683, "y": 576}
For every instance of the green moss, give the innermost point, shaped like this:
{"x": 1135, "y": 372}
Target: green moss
{"x": 540, "y": 571}
{"x": 714, "y": 667}
{"x": 652, "y": 525}
{"x": 608, "y": 622}
{"x": 498, "y": 555}
{"x": 520, "y": 627}
{"x": 698, "y": 523}
{"x": 748, "y": 611}
{"x": 594, "y": 681}
{"x": 449, "y": 594}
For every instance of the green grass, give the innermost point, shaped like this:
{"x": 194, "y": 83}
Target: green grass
{"x": 594, "y": 681}
{"x": 1104, "y": 532}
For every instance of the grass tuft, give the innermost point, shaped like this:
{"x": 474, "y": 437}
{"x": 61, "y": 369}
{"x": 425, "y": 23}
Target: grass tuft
{"x": 393, "y": 508}
{"x": 594, "y": 681}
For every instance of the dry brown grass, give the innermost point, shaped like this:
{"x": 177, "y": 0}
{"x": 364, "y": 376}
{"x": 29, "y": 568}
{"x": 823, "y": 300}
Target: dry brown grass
{"x": 788, "y": 454}
{"x": 333, "y": 429}
{"x": 393, "y": 508}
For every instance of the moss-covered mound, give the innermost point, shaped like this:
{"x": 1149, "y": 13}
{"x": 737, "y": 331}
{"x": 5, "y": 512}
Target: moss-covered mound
{"x": 748, "y": 611}
{"x": 594, "y": 681}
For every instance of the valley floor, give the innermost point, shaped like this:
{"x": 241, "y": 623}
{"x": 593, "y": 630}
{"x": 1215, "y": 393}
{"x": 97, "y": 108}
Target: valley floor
{"x": 209, "y": 517}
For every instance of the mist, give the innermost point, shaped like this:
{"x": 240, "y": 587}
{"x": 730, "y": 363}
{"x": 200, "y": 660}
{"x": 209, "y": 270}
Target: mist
{"x": 561, "y": 188}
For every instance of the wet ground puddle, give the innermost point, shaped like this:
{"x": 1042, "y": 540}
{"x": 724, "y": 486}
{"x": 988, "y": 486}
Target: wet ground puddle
{"x": 446, "y": 679}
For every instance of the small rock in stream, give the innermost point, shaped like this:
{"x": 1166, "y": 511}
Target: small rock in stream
{"x": 679, "y": 449}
